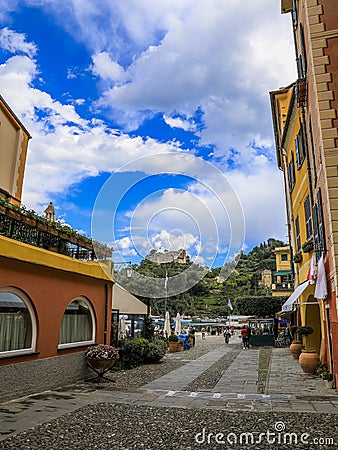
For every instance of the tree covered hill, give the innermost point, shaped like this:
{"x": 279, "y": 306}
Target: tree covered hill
{"x": 209, "y": 297}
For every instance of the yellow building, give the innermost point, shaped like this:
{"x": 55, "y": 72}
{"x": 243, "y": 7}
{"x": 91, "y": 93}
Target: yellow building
{"x": 313, "y": 98}
{"x": 283, "y": 277}
{"x": 291, "y": 150}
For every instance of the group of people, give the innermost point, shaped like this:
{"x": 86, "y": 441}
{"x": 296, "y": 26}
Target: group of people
{"x": 245, "y": 334}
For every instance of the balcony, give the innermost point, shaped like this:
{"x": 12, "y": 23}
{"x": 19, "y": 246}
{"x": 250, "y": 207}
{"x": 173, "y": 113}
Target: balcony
{"x": 26, "y": 226}
{"x": 282, "y": 287}
{"x": 301, "y": 92}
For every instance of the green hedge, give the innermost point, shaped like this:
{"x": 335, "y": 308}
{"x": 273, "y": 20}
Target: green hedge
{"x": 138, "y": 351}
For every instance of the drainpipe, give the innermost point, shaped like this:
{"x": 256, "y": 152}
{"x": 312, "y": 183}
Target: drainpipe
{"x": 105, "y": 332}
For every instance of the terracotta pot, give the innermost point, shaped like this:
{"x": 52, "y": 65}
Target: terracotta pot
{"x": 296, "y": 349}
{"x": 101, "y": 364}
{"x": 172, "y": 347}
{"x": 179, "y": 347}
{"x": 308, "y": 361}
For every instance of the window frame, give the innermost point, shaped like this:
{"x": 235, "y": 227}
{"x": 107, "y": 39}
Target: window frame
{"x": 93, "y": 317}
{"x": 297, "y": 234}
{"x": 25, "y": 299}
{"x": 291, "y": 173}
{"x": 308, "y": 218}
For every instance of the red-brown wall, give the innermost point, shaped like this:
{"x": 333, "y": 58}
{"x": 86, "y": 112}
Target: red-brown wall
{"x": 50, "y": 291}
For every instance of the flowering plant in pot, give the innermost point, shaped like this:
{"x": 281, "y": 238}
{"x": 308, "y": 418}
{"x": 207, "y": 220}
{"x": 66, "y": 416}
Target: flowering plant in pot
{"x": 102, "y": 351}
{"x": 101, "y": 357}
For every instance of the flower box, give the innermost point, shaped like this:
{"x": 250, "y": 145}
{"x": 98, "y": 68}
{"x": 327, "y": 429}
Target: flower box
{"x": 307, "y": 247}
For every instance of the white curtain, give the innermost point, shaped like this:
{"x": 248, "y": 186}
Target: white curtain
{"x": 75, "y": 328}
{"x": 15, "y": 331}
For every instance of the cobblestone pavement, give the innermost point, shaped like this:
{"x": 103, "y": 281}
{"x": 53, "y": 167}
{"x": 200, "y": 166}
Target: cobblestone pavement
{"x": 213, "y": 396}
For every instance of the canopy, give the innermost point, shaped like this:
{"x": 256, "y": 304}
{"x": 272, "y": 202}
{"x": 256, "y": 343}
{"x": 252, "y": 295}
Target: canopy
{"x": 294, "y": 296}
{"x": 127, "y": 303}
{"x": 283, "y": 272}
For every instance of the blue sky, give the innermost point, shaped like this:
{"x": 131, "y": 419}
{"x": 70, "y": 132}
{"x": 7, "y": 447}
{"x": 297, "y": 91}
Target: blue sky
{"x": 136, "y": 107}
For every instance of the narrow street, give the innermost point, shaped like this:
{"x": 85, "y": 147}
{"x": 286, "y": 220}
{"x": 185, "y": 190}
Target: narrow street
{"x": 213, "y": 396}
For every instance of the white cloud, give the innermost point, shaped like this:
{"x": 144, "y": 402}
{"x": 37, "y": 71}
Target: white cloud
{"x": 63, "y": 142}
{"x": 178, "y": 122}
{"x": 15, "y": 42}
{"x": 104, "y": 67}
{"x": 208, "y": 59}
{"x": 173, "y": 57}
{"x": 176, "y": 56}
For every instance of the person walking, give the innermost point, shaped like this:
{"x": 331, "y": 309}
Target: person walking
{"x": 245, "y": 337}
{"x": 226, "y": 335}
{"x": 203, "y": 333}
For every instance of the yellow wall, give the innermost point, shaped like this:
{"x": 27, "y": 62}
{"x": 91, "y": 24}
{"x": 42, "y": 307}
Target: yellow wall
{"x": 13, "y": 150}
{"x": 287, "y": 118}
{"x": 34, "y": 255}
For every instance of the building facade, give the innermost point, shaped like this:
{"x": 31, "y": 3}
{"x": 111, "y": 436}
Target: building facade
{"x": 305, "y": 116}
{"x": 55, "y": 298}
{"x": 283, "y": 277}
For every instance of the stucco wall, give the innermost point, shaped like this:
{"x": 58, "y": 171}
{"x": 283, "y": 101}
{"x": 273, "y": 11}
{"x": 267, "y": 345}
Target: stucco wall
{"x": 25, "y": 378}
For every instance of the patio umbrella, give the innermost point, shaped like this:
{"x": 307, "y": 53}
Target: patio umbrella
{"x": 178, "y": 324}
{"x": 122, "y": 328}
{"x": 167, "y": 329}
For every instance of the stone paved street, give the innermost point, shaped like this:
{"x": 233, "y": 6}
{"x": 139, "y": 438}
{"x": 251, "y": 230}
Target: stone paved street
{"x": 234, "y": 404}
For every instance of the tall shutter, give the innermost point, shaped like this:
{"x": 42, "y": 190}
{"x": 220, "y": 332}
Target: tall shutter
{"x": 321, "y": 228}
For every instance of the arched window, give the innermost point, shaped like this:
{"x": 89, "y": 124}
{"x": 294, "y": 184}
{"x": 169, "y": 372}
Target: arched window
{"x": 17, "y": 323}
{"x": 78, "y": 324}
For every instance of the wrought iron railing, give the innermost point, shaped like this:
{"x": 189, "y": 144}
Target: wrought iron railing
{"x": 27, "y": 227}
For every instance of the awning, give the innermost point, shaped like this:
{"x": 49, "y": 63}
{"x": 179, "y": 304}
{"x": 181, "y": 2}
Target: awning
{"x": 295, "y": 295}
{"x": 127, "y": 303}
{"x": 283, "y": 272}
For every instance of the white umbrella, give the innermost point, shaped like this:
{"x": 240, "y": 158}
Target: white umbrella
{"x": 122, "y": 328}
{"x": 178, "y": 324}
{"x": 167, "y": 329}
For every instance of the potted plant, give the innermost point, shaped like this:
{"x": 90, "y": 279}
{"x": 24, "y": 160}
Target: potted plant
{"x": 191, "y": 340}
{"x": 308, "y": 360}
{"x": 101, "y": 357}
{"x": 180, "y": 346}
{"x": 297, "y": 258}
{"x": 296, "y": 348}
{"x": 328, "y": 378}
{"x": 304, "y": 331}
{"x": 172, "y": 343}
{"x": 307, "y": 247}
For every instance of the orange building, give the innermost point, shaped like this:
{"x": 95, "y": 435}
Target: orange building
{"x": 55, "y": 299}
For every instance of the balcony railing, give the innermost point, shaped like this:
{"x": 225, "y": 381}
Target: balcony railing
{"x": 282, "y": 287}
{"x": 26, "y": 226}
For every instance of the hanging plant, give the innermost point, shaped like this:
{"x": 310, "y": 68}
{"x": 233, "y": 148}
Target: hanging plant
{"x": 307, "y": 247}
{"x": 298, "y": 257}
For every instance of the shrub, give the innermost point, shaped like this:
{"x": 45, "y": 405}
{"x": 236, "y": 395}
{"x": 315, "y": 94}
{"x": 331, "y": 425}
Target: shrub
{"x": 304, "y": 331}
{"x": 156, "y": 350}
{"x": 134, "y": 352}
{"x": 173, "y": 338}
